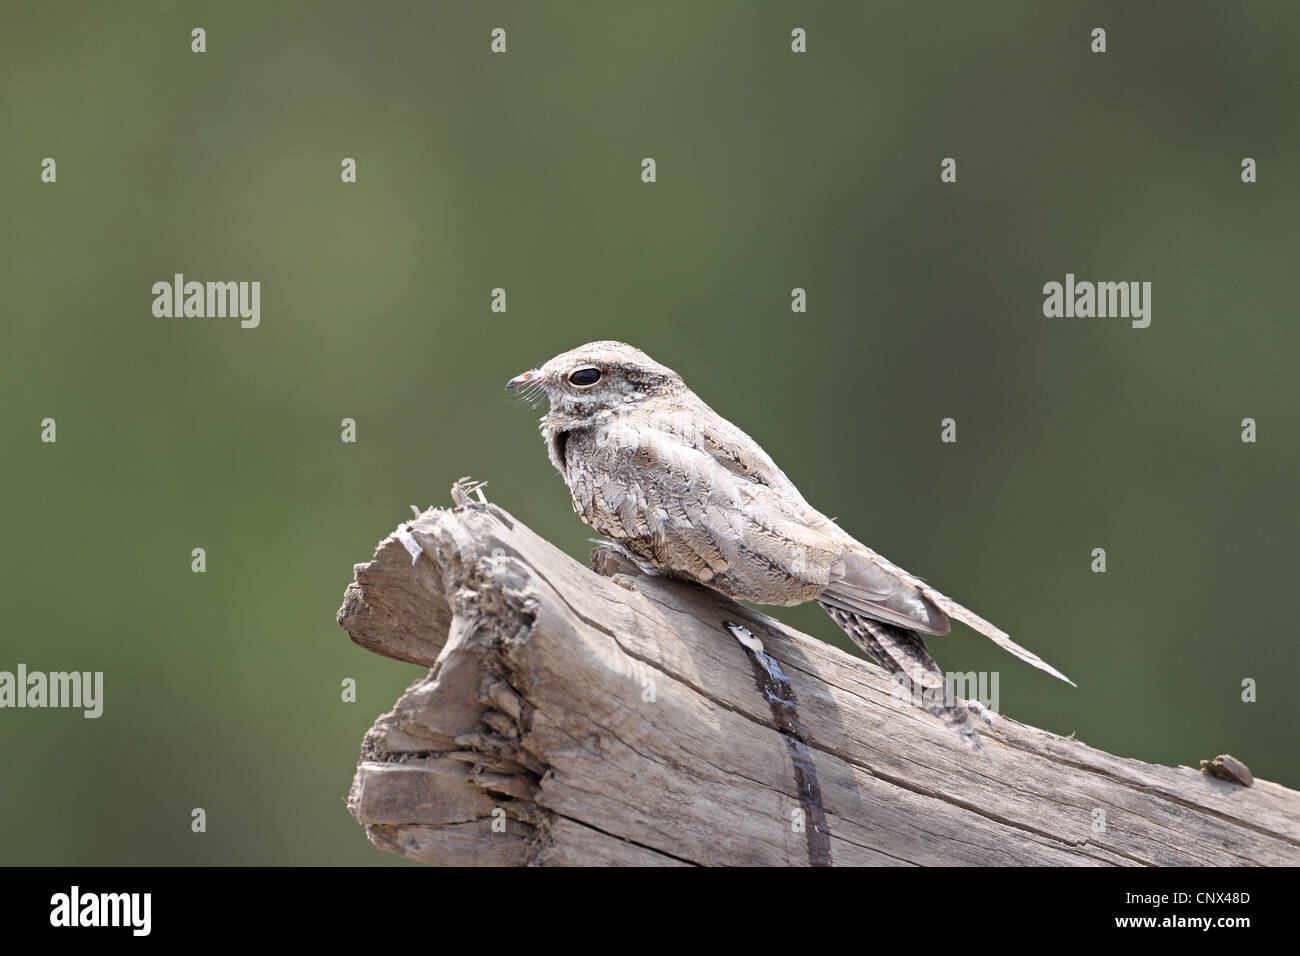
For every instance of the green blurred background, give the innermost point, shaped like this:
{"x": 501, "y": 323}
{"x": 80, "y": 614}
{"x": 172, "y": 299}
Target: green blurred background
{"x": 522, "y": 171}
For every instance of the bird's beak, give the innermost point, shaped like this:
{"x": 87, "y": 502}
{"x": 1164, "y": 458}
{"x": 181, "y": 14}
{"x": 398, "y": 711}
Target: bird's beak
{"x": 523, "y": 378}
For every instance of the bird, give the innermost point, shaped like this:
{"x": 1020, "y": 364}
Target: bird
{"x": 687, "y": 494}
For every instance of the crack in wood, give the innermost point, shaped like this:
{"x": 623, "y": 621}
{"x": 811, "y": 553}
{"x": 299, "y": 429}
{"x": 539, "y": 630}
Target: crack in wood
{"x": 775, "y": 688}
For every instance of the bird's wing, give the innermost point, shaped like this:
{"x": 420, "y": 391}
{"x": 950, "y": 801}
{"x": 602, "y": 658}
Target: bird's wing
{"x": 994, "y": 634}
{"x": 860, "y": 581}
{"x": 864, "y": 582}
{"x": 707, "y": 522}
{"x": 739, "y": 454}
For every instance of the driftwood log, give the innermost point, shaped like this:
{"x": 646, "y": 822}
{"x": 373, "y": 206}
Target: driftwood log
{"x": 576, "y": 716}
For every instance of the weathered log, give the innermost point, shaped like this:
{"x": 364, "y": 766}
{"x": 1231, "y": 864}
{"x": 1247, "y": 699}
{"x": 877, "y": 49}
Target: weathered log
{"x": 576, "y": 717}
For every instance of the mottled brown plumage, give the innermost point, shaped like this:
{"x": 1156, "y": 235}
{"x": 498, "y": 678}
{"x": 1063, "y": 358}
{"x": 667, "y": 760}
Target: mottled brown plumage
{"x": 687, "y": 493}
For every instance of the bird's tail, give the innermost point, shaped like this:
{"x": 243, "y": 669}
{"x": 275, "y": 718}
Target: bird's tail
{"x": 903, "y": 653}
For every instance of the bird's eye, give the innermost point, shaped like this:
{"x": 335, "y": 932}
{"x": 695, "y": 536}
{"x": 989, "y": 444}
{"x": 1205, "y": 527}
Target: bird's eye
{"x": 584, "y": 377}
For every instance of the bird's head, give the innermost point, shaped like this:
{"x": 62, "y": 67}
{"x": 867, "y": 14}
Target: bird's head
{"x": 596, "y": 377}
